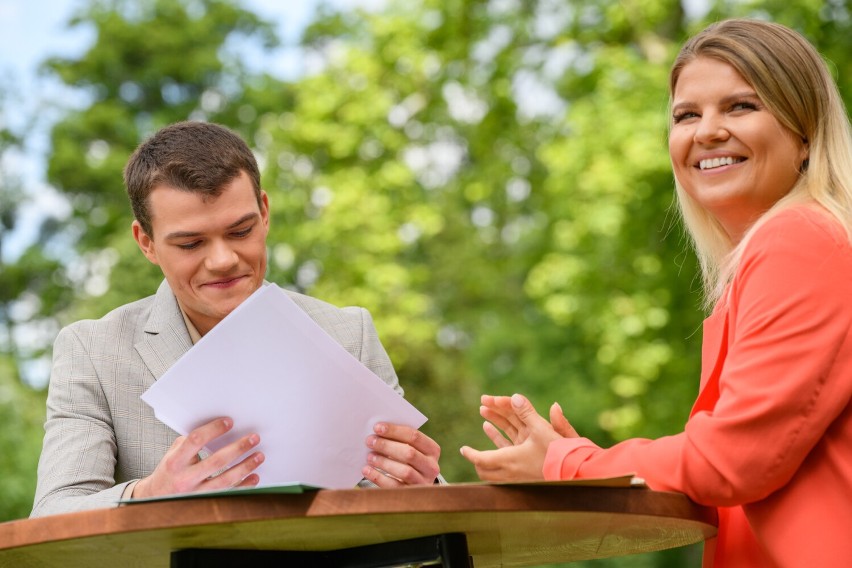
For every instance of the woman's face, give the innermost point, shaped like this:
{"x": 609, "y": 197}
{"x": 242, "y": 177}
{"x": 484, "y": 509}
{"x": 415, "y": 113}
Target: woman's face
{"x": 729, "y": 153}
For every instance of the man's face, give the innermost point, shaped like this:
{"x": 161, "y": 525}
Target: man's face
{"x": 213, "y": 252}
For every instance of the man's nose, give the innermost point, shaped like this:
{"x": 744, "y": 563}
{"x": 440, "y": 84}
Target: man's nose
{"x": 221, "y": 257}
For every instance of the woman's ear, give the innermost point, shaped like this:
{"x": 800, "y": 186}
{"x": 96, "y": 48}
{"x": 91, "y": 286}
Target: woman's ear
{"x": 804, "y": 156}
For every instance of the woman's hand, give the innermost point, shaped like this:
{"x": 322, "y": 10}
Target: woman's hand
{"x": 522, "y": 445}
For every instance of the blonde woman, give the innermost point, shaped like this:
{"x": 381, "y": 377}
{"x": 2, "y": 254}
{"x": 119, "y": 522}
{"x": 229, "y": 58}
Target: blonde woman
{"x": 762, "y": 156}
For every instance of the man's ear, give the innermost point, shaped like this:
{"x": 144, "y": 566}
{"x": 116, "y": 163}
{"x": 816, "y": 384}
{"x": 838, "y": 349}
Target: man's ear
{"x": 146, "y": 243}
{"x": 264, "y": 209}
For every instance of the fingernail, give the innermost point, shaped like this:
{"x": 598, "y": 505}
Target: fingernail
{"x": 226, "y": 422}
{"x": 371, "y": 441}
{"x": 259, "y": 458}
{"x": 517, "y": 400}
{"x": 380, "y": 428}
{"x": 462, "y": 449}
{"x": 254, "y": 439}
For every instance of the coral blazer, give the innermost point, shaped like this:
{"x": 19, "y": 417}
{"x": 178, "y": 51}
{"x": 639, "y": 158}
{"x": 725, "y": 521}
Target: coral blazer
{"x": 769, "y": 440}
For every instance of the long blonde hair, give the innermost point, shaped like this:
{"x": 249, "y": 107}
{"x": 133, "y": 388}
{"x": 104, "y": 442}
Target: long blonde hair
{"x": 792, "y": 80}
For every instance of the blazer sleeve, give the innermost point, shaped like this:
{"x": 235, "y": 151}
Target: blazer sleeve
{"x": 77, "y": 464}
{"x": 373, "y": 354}
{"x": 783, "y": 383}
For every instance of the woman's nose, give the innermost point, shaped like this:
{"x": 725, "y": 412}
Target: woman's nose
{"x": 711, "y": 128}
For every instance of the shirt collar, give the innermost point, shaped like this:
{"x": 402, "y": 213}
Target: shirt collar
{"x": 194, "y": 336}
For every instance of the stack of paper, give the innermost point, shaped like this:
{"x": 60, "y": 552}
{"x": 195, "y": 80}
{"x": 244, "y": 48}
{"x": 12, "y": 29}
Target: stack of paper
{"x": 272, "y": 369}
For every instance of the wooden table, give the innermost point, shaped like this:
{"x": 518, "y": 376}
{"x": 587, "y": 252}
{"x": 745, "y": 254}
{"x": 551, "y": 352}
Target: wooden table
{"x": 505, "y": 525}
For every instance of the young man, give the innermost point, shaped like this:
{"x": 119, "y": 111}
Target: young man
{"x": 200, "y": 216}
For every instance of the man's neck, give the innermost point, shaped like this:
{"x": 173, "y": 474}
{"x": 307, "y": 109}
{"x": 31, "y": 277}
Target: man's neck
{"x": 194, "y": 334}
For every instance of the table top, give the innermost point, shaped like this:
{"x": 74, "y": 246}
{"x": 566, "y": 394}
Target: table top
{"x": 506, "y": 525}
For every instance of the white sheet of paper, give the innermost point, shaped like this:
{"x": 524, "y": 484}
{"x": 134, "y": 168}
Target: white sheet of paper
{"x": 276, "y": 372}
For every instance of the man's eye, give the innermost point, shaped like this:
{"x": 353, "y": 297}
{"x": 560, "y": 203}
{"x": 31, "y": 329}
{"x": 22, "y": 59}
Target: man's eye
{"x": 189, "y": 246}
{"x": 243, "y": 233}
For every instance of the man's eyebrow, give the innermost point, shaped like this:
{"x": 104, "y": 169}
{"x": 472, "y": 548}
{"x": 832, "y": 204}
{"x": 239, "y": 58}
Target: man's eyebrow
{"x": 243, "y": 219}
{"x": 181, "y": 235}
{"x": 191, "y": 234}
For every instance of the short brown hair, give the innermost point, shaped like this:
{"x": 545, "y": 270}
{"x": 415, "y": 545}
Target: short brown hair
{"x": 199, "y": 157}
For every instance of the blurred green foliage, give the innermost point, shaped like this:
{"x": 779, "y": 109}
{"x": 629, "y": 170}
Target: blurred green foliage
{"x": 490, "y": 179}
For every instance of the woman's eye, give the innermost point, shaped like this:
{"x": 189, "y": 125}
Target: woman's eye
{"x": 744, "y": 105}
{"x": 680, "y": 117}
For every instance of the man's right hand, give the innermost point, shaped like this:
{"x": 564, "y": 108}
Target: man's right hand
{"x": 182, "y": 471}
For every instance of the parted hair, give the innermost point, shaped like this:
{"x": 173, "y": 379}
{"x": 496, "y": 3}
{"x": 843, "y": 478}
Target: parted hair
{"x": 792, "y": 80}
{"x": 199, "y": 157}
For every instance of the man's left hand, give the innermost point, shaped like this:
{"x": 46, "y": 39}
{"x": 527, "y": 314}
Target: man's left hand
{"x": 401, "y": 455}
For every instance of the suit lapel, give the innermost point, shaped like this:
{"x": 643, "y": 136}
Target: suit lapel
{"x": 166, "y": 338}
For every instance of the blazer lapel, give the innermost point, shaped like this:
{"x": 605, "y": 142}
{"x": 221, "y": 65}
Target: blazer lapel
{"x": 166, "y": 338}
{"x": 714, "y": 350}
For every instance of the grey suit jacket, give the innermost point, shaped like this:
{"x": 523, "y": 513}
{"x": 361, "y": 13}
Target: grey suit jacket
{"x": 99, "y": 435}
